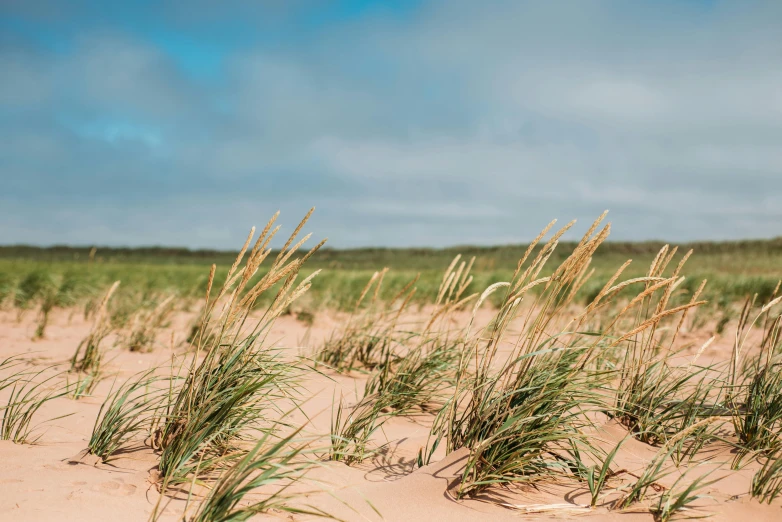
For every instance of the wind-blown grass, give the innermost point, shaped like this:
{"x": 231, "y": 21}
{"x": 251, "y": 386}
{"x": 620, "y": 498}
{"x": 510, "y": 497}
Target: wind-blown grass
{"x": 597, "y": 475}
{"x": 239, "y": 382}
{"x": 144, "y": 324}
{"x": 566, "y": 341}
{"x": 417, "y": 380}
{"x": 525, "y": 383}
{"x": 370, "y": 334}
{"x": 352, "y": 428}
{"x": 767, "y": 481}
{"x": 756, "y": 393}
{"x": 25, "y": 400}
{"x": 680, "y": 497}
{"x": 269, "y": 462}
{"x": 88, "y": 357}
{"x": 127, "y": 411}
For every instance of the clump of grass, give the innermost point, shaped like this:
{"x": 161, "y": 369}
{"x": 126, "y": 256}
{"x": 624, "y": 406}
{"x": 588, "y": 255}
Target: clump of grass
{"x": 597, "y": 475}
{"x": 755, "y": 395}
{"x": 513, "y": 415}
{"x": 374, "y": 336}
{"x": 654, "y": 399}
{"x": 401, "y": 383}
{"x": 26, "y": 398}
{"x": 417, "y": 380}
{"x": 767, "y": 481}
{"x": 370, "y": 334}
{"x": 268, "y": 463}
{"x": 88, "y": 357}
{"x": 677, "y": 499}
{"x": 49, "y": 291}
{"x": 351, "y": 430}
{"x": 305, "y": 317}
{"x": 127, "y": 411}
{"x": 238, "y": 382}
{"x": 518, "y": 411}
{"x": 512, "y": 430}
{"x": 145, "y": 323}
{"x": 662, "y": 401}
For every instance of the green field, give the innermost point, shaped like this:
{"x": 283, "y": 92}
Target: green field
{"x": 734, "y": 269}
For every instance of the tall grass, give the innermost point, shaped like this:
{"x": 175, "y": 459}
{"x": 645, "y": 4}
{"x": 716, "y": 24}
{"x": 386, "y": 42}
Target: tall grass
{"x": 526, "y": 382}
{"x": 370, "y": 334}
{"x": 141, "y": 334}
{"x": 88, "y": 357}
{"x": 270, "y": 462}
{"x": 756, "y": 392}
{"x": 29, "y": 392}
{"x": 351, "y": 429}
{"x": 234, "y": 382}
{"x": 127, "y": 411}
{"x": 767, "y": 482}
{"x": 567, "y": 339}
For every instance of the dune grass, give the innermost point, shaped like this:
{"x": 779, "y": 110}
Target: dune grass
{"x": 29, "y": 391}
{"x": 767, "y": 481}
{"x": 572, "y": 334}
{"x": 234, "y": 383}
{"x": 128, "y": 410}
{"x": 270, "y": 462}
{"x": 88, "y": 356}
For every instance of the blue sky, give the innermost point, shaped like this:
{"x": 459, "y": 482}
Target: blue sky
{"x": 406, "y": 123}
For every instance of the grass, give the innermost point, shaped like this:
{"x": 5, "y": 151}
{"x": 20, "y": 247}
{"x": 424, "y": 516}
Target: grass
{"x": 47, "y": 290}
{"x": 27, "y": 396}
{"x": 238, "y": 382}
{"x": 662, "y": 401}
{"x": 767, "y": 481}
{"x": 512, "y": 413}
{"x": 84, "y": 384}
{"x": 410, "y": 370}
{"x": 418, "y": 380}
{"x": 756, "y": 392}
{"x": 127, "y": 411}
{"x": 656, "y": 470}
{"x": 574, "y": 332}
{"x": 268, "y": 463}
{"x": 351, "y": 429}
{"x": 680, "y": 497}
{"x": 88, "y": 357}
{"x": 597, "y": 475}
{"x": 145, "y": 323}
{"x": 371, "y": 332}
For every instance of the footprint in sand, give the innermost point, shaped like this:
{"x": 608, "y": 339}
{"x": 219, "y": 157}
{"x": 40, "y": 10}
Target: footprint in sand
{"x": 115, "y": 488}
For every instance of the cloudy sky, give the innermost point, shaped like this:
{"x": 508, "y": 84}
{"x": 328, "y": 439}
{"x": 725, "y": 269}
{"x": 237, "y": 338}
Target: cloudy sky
{"x": 404, "y": 123}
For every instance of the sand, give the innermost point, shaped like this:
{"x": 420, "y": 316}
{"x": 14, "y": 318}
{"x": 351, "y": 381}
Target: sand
{"x": 52, "y": 480}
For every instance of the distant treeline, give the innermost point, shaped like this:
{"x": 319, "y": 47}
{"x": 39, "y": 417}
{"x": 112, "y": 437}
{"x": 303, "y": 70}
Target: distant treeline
{"x": 499, "y": 257}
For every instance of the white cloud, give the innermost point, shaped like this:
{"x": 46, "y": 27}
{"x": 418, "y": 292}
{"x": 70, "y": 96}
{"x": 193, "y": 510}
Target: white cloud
{"x": 507, "y": 114}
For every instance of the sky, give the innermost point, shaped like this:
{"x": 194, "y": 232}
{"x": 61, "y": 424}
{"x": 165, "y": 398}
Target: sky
{"x": 407, "y": 123}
